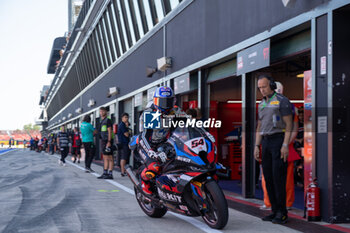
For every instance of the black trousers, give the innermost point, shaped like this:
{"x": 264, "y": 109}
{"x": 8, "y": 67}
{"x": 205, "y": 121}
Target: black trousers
{"x": 64, "y": 153}
{"x": 51, "y": 149}
{"x": 275, "y": 172}
{"x": 89, "y": 153}
{"x": 124, "y": 152}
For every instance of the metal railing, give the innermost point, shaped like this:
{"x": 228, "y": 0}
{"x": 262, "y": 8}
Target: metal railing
{"x": 82, "y": 15}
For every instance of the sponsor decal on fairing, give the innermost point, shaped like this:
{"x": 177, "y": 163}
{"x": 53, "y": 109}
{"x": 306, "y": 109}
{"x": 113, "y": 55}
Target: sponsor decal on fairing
{"x": 169, "y": 196}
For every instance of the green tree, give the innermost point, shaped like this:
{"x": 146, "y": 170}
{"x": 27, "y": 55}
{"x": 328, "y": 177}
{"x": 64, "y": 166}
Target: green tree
{"x": 30, "y": 126}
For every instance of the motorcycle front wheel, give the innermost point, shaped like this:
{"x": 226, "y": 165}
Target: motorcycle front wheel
{"x": 217, "y": 215}
{"x": 149, "y": 208}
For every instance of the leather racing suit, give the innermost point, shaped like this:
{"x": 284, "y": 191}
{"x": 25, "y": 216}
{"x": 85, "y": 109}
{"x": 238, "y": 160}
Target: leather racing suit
{"x": 149, "y": 141}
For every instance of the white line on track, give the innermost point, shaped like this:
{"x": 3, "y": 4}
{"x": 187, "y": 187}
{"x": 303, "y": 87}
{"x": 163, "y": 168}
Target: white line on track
{"x": 8, "y": 152}
{"x": 202, "y": 226}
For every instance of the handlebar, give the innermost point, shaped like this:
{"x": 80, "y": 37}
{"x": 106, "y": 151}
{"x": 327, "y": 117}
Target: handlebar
{"x": 226, "y": 175}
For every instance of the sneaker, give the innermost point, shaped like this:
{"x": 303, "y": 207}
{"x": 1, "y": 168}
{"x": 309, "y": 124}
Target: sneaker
{"x": 64, "y": 164}
{"x": 103, "y": 176}
{"x": 109, "y": 177}
{"x": 90, "y": 170}
{"x": 269, "y": 217}
{"x": 123, "y": 174}
{"x": 60, "y": 162}
{"x": 264, "y": 207}
{"x": 280, "y": 218}
{"x": 78, "y": 161}
{"x": 87, "y": 170}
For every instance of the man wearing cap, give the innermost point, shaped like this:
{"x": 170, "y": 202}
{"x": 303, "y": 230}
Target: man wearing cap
{"x": 273, "y": 135}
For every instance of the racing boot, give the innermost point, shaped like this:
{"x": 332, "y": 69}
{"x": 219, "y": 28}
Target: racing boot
{"x": 146, "y": 187}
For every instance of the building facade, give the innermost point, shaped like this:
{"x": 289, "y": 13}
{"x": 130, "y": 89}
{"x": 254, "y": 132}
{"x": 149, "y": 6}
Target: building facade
{"x": 115, "y": 44}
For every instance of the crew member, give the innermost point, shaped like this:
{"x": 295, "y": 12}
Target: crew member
{"x": 62, "y": 142}
{"x": 273, "y": 134}
{"x": 292, "y": 157}
{"x": 107, "y": 136}
{"x": 123, "y": 139}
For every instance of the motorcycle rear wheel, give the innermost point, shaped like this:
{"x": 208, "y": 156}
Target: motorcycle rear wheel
{"x": 148, "y": 208}
{"x": 217, "y": 216}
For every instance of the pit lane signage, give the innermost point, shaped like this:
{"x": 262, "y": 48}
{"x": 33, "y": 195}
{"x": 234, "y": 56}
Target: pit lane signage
{"x": 253, "y": 58}
{"x": 150, "y": 93}
{"x": 138, "y": 99}
{"x": 182, "y": 84}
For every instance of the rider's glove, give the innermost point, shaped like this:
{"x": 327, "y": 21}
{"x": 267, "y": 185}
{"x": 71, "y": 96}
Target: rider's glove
{"x": 159, "y": 156}
{"x": 162, "y": 156}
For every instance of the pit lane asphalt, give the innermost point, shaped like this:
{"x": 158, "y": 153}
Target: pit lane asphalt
{"x": 38, "y": 195}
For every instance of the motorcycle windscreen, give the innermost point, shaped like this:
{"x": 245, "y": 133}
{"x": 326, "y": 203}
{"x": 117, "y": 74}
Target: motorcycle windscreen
{"x": 189, "y": 143}
{"x": 185, "y": 134}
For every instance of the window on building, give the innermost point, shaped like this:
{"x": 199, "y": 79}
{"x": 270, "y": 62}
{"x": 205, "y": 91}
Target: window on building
{"x": 83, "y": 68}
{"x": 85, "y": 65}
{"x": 81, "y": 71}
{"x": 110, "y": 36}
{"x": 128, "y": 27}
{"x": 159, "y": 9}
{"x": 114, "y": 30}
{"x": 97, "y": 53}
{"x": 98, "y": 48}
{"x": 148, "y": 14}
{"x": 102, "y": 45}
{"x": 142, "y": 14}
{"x": 136, "y": 23}
{"x": 95, "y": 57}
{"x": 121, "y": 23}
{"x": 91, "y": 59}
{"x": 87, "y": 55}
{"x": 105, "y": 41}
{"x": 119, "y": 30}
{"x": 153, "y": 9}
{"x": 174, "y": 3}
{"x": 166, "y": 6}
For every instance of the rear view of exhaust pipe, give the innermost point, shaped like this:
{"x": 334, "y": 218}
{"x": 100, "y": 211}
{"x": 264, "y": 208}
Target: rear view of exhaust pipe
{"x": 132, "y": 176}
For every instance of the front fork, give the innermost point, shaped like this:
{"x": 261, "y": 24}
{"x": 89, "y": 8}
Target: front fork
{"x": 199, "y": 195}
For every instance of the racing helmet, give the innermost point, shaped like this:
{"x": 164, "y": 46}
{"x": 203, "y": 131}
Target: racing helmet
{"x": 164, "y": 98}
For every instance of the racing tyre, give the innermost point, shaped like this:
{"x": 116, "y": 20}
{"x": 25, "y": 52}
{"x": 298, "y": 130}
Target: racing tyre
{"x": 217, "y": 215}
{"x": 147, "y": 206}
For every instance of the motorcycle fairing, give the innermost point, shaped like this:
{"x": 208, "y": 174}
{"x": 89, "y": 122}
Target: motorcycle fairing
{"x": 195, "y": 158}
{"x": 171, "y": 189}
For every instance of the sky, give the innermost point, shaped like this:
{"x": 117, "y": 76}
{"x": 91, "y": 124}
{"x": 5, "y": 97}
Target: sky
{"x": 27, "y": 31}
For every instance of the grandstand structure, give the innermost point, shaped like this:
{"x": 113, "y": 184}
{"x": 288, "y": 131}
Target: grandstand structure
{"x": 18, "y": 136}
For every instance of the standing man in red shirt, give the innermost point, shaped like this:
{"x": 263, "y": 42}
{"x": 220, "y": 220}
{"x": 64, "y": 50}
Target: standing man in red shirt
{"x": 76, "y": 145}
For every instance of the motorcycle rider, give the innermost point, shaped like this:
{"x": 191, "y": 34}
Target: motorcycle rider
{"x": 150, "y": 139}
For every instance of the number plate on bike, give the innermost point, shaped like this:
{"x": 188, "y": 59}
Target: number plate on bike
{"x": 197, "y": 144}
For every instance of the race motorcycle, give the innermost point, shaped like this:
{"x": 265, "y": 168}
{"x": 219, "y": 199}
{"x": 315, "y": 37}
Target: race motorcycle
{"x": 187, "y": 184}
